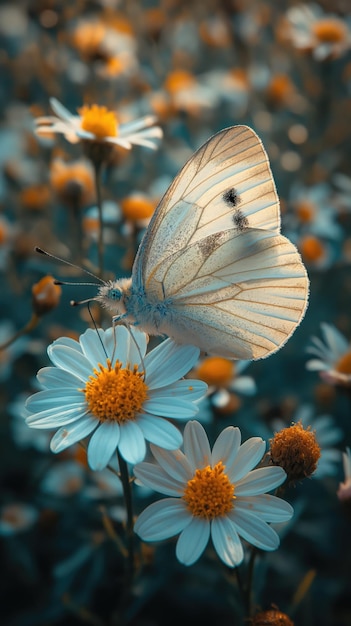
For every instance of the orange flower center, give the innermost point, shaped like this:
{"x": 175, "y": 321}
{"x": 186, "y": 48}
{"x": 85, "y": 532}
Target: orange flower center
{"x": 311, "y": 248}
{"x": 216, "y": 371}
{"x": 344, "y": 364}
{"x": 137, "y": 207}
{"x": 115, "y": 394}
{"x": 296, "y": 450}
{"x": 209, "y": 493}
{"x": 330, "y": 30}
{"x": 179, "y": 80}
{"x": 99, "y": 121}
{"x": 305, "y": 211}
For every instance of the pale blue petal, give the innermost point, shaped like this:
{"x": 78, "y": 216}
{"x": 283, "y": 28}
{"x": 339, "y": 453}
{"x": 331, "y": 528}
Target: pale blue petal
{"x": 92, "y": 346}
{"x": 53, "y": 378}
{"x": 175, "y": 463}
{"x": 226, "y": 446}
{"x": 174, "y": 408}
{"x": 226, "y": 541}
{"x": 269, "y": 508}
{"x": 254, "y": 530}
{"x": 334, "y": 339}
{"x": 52, "y": 418}
{"x": 136, "y": 344}
{"x": 60, "y": 110}
{"x": 71, "y": 360}
{"x": 68, "y": 435}
{"x": 168, "y": 362}
{"x": 193, "y": 541}
{"x": 156, "y": 478}
{"x": 314, "y": 365}
{"x": 186, "y": 389}
{"x": 160, "y": 432}
{"x": 67, "y": 341}
{"x": 196, "y": 446}
{"x": 103, "y": 444}
{"x": 249, "y": 454}
{"x": 245, "y": 385}
{"x": 58, "y": 398}
{"x": 162, "y": 519}
{"x": 132, "y": 443}
{"x": 259, "y": 481}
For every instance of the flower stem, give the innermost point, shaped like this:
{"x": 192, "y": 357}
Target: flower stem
{"x": 127, "y": 492}
{"x": 33, "y": 322}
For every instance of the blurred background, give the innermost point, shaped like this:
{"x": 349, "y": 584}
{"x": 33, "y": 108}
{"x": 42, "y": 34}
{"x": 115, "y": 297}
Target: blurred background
{"x": 283, "y": 68}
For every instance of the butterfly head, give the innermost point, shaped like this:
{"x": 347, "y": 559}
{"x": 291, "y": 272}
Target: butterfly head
{"x": 113, "y": 293}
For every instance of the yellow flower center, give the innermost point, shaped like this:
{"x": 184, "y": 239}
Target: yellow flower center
{"x": 209, "y": 493}
{"x": 216, "y": 371}
{"x": 115, "y": 394}
{"x": 305, "y": 211}
{"x": 137, "y": 207}
{"x": 296, "y": 450}
{"x": 99, "y": 121}
{"x": 330, "y": 30}
{"x": 344, "y": 364}
{"x": 311, "y": 248}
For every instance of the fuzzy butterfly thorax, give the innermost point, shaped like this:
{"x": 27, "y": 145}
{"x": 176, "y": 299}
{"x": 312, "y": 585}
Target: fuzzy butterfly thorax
{"x": 213, "y": 269}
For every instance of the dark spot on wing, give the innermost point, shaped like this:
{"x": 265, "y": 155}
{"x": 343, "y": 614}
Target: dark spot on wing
{"x": 210, "y": 243}
{"x": 240, "y": 220}
{"x": 231, "y": 197}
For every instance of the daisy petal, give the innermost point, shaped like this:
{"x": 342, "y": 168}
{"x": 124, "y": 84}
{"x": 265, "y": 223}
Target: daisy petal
{"x": 269, "y": 508}
{"x": 226, "y": 446}
{"x": 179, "y": 359}
{"x": 174, "y": 463}
{"x": 49, "y": 399}
{"x": 162, "y": 520}
{"x": 60, "y": 110}
{"x": 67, "y": 436}
{"x": 196, "y": 445}
{"x": 52, "y": 418}
{"x": 103, "y": 444}
{"x": 226, "y": 541}
{"x": 254, "y": 530}
{"x": 156, "y": 478}
{"x": 160, "y": 432}
{"x": 52, "y": 377}
{"x": 71, "y": 361}
{"x": 174, "y": 408}
{"x": 132, "y": 443}
{"x": 92, "y": 346}
{"x": 260, "y": 480}
{"x": 249, "y": 454}
{"x": 193, "y": 541}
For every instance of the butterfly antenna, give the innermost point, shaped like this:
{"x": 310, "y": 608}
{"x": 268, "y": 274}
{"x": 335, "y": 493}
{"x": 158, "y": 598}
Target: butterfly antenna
{"x": 96, "y": 328}
{"x": 77, "y": 267}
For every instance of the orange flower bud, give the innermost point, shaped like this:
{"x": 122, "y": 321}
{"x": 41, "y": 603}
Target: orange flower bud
{"x": 46, "y": 295}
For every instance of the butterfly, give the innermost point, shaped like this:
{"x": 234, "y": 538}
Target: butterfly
{"x": 212, "y": 269}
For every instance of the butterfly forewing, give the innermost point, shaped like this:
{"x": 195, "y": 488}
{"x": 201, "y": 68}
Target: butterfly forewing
{"x": 226, "y": 184}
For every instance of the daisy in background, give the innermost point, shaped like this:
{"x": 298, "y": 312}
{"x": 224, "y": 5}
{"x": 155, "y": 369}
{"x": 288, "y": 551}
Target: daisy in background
{"x": 326, "y": 36}
{"x": 98, "y": 124}
{"x": 333, "y": 354}
{"x": 106, "y": 386}
{"x": 214, "y": 494}
{"x": 327, "y": 434}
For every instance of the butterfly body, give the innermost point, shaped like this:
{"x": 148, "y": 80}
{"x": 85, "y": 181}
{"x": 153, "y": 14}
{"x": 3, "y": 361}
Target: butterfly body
{"x": 213, "y": 269}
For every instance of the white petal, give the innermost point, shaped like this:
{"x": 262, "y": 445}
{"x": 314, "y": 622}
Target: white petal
{"x": 226, "y": 446}
{"x": 335, "y": 340}
{"x": 48, "y": 399}
{"x": 160, "y": 432}
{"x": 70, "y": 360}
{"x": 226, "y": 541}
{"x": 60, "y": 110}
{"x": 53, "y": 377}
{"x": 193, "y": 541}
{"x": 52, "y": 418}
{"x": 68, "y": 435}
{"x": 162, "y": 519}
{"x": 269, "y": 508}
{"x": 136, "y": 347}
{"x": 174, "y": 462}
{"x": 254, "y": 530}
{"x": 137, "y": 124}
{"x": 174, "y": 408}
{"x": 196, "y": 446}
{"x": 186, "y": 389}
{"x": 92, "y": 346}
{"x": 168, "y": 362}
{"x": 315, "y": 365}
{"x": 103, "y": 444}
{"x": 249, "y": 454}
{"x": 245, "y": 385}
{"x": 132, "y": 443}
{"x": 260, "y": 480}
{"x": 156, "y": 478}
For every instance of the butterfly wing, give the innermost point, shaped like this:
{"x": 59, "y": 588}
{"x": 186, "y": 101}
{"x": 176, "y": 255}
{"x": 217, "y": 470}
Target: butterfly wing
{"x": 236, "y": 294}
{"x": 214, "y": 255}
{"x": 227, "y": 183}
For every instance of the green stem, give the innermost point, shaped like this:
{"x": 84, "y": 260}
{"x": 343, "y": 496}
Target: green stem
{"x": 249, "y": 587}
{"x": 97, "y": 170}
{"x": 33, "y": 322}
{"x": 127, "y": 492}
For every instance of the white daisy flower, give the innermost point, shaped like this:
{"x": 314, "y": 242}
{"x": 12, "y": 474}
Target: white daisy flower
{"x": 105, "y": 386}
{"x": 98, "y": 124}
{"x": 333, "y": 354}
{"x": 214, "y": 494}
